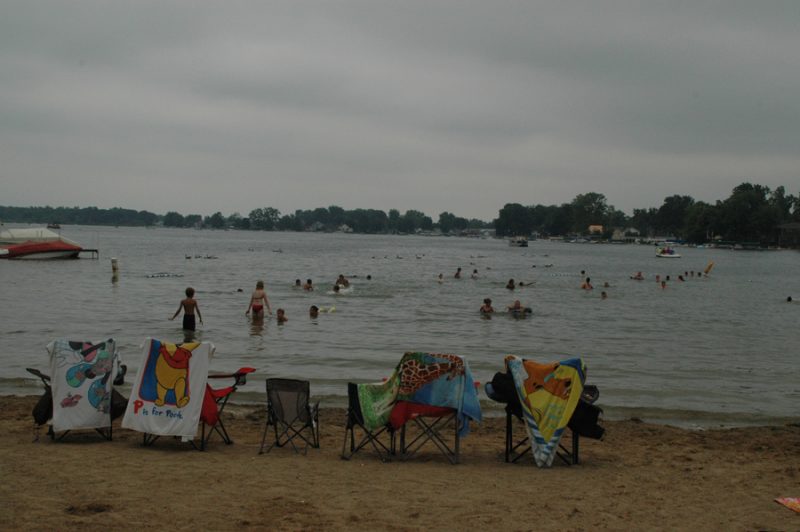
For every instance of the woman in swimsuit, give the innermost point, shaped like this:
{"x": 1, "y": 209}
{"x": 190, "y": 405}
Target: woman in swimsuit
{"x": 257, "y": 301}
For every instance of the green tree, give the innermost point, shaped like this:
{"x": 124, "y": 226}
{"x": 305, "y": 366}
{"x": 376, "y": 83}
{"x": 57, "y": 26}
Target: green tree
{"x": 513, "y": 220}
{"x": 173, "y": 219}
{"x": 215, "y": 221}
{"x": 671, "y": 216}
{"x": 588, "y": 209}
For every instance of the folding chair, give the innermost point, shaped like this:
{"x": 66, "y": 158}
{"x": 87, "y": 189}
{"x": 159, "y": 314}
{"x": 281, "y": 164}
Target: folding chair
{"x": 80, "y": 394}
{"x": 583, "y": 420}
{"x": 428, "y": 424}
{"x": 43, "y": 410}
{"x": 357, "y": 434}
{"x": 170, "y": 390}
{"x": 290, "y": 414}
{"x": 214, "y": 404}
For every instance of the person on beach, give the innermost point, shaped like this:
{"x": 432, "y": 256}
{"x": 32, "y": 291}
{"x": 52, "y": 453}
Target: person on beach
{"x": 258, "y": 300}
{"x": 487, "y": 308}
{"x": 189, "y": 307}
{"x": 587, "y": 284}
{"x": 309, "y": 286}
{"x": 313, "y": 312}
{"x": 280, "y": 315}
{"x": 457, "y": 275}
{"x": 510, "y": 284}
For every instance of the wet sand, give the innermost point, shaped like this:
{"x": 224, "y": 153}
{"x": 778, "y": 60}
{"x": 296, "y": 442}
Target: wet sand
{"x": 640, "y": 476}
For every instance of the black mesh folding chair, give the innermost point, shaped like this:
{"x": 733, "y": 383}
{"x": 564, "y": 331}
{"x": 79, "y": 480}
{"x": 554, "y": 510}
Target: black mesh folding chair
{"x": 291, "y": 415}
{"x": 357, "y": 437}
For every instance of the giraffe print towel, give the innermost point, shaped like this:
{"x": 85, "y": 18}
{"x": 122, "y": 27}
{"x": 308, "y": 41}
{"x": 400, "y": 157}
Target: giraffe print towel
{"x": 433, "y": 379}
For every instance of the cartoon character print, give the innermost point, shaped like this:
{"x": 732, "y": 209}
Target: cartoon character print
{"x": 172, "y": 374}
{"x": 95, "y": 363}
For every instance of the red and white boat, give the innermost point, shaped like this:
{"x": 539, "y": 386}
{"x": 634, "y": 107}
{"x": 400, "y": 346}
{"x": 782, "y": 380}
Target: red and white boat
{"x": 36, "y": 243}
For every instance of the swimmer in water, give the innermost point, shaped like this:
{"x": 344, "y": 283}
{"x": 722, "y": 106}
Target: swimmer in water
{"x": 440, "y": 279}
{"x": 587, "y": 284}
{"x": 487, "y": 308}
{"x": 297, "y": 283}
{"x": 474, "y": 274}
{"x": 189, "y": 307}
{"x": 517, "y": 310}
{"x": 458, "y": 273}
{"x": 313, "y": 312}
{"x": 342, "y": 281}
{"x": 281, "y": 316}
{"x": 257, "y": 302}
{"x": 603, "y": 295}
{"x": 510, "y": 284}
{"x": 309, "y": 286}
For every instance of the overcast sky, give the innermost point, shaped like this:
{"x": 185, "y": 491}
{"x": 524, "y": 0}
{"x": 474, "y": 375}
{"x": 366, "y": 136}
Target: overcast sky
{"x": 460, "y": 106}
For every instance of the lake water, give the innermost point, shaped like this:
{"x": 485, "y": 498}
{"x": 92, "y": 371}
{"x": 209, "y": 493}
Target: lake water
{"x": 704, "y": 352}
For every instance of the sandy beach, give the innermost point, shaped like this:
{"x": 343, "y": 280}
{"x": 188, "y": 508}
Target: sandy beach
{"x": 640, "y": 476}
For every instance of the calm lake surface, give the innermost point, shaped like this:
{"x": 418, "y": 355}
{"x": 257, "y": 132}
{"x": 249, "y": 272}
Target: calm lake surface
{"x": 718, "y": 350}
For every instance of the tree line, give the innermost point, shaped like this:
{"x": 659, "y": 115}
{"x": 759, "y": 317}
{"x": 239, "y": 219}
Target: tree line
{"x": 752, "y": 213}
{"x": 332, "y": 218}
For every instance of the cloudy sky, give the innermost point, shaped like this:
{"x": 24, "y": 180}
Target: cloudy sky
{"x": 460, "y": 106}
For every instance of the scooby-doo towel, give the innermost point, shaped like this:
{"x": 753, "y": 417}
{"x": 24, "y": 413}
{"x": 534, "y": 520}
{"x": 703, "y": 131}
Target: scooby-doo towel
{"x": 82, "y": 378}
{"x": 167, "y": 394}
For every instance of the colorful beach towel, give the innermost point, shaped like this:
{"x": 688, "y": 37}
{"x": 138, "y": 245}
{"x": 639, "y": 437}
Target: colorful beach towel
{"x": 82, "y": 377}
{"x": 793, "y": 503}
{"x": 433, "y": 379}
{"x": 167, "y": 395}
{"x": 549, "y": 394}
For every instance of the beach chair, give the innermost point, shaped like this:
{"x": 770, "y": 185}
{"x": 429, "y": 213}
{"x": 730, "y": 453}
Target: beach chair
{"x": 427, "y": 396}
{"x": 291, "y": 415}
{"x": 582, "y": 422}
{"x": 79, "y": 392}
{"x": 214, "y": 403}
{"x": 358, "y": 437}
{"x": 422, "y": 424}
{"x": 170, "y": 391}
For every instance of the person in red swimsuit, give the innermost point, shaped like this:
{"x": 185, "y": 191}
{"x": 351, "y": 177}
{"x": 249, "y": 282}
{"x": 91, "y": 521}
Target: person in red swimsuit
{"x": 258, "y": 301}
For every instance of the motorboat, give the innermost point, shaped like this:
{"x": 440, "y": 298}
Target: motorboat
{"x": 667, "y": 253}
{"x": 518, "y": 242}
{"x": 36, "y": 243}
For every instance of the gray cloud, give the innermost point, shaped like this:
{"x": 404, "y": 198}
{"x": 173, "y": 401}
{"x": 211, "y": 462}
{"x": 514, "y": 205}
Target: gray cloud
{"x": 458, "y": 106}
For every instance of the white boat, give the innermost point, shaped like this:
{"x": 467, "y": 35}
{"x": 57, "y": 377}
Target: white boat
{"x": 667, "y": 253}
{"x": 518, "y": 242}
{"x": 36, "y": 243}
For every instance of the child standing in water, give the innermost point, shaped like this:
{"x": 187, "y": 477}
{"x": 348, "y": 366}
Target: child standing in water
{"x": 189, "y": 307}
{"x": 257, "y": 302}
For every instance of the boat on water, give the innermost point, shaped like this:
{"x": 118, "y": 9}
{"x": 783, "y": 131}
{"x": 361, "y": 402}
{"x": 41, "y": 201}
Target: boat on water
{"x": 36, "y": 243}
{"x": 667, "y": 253}
{"x": 518, "y": 242}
